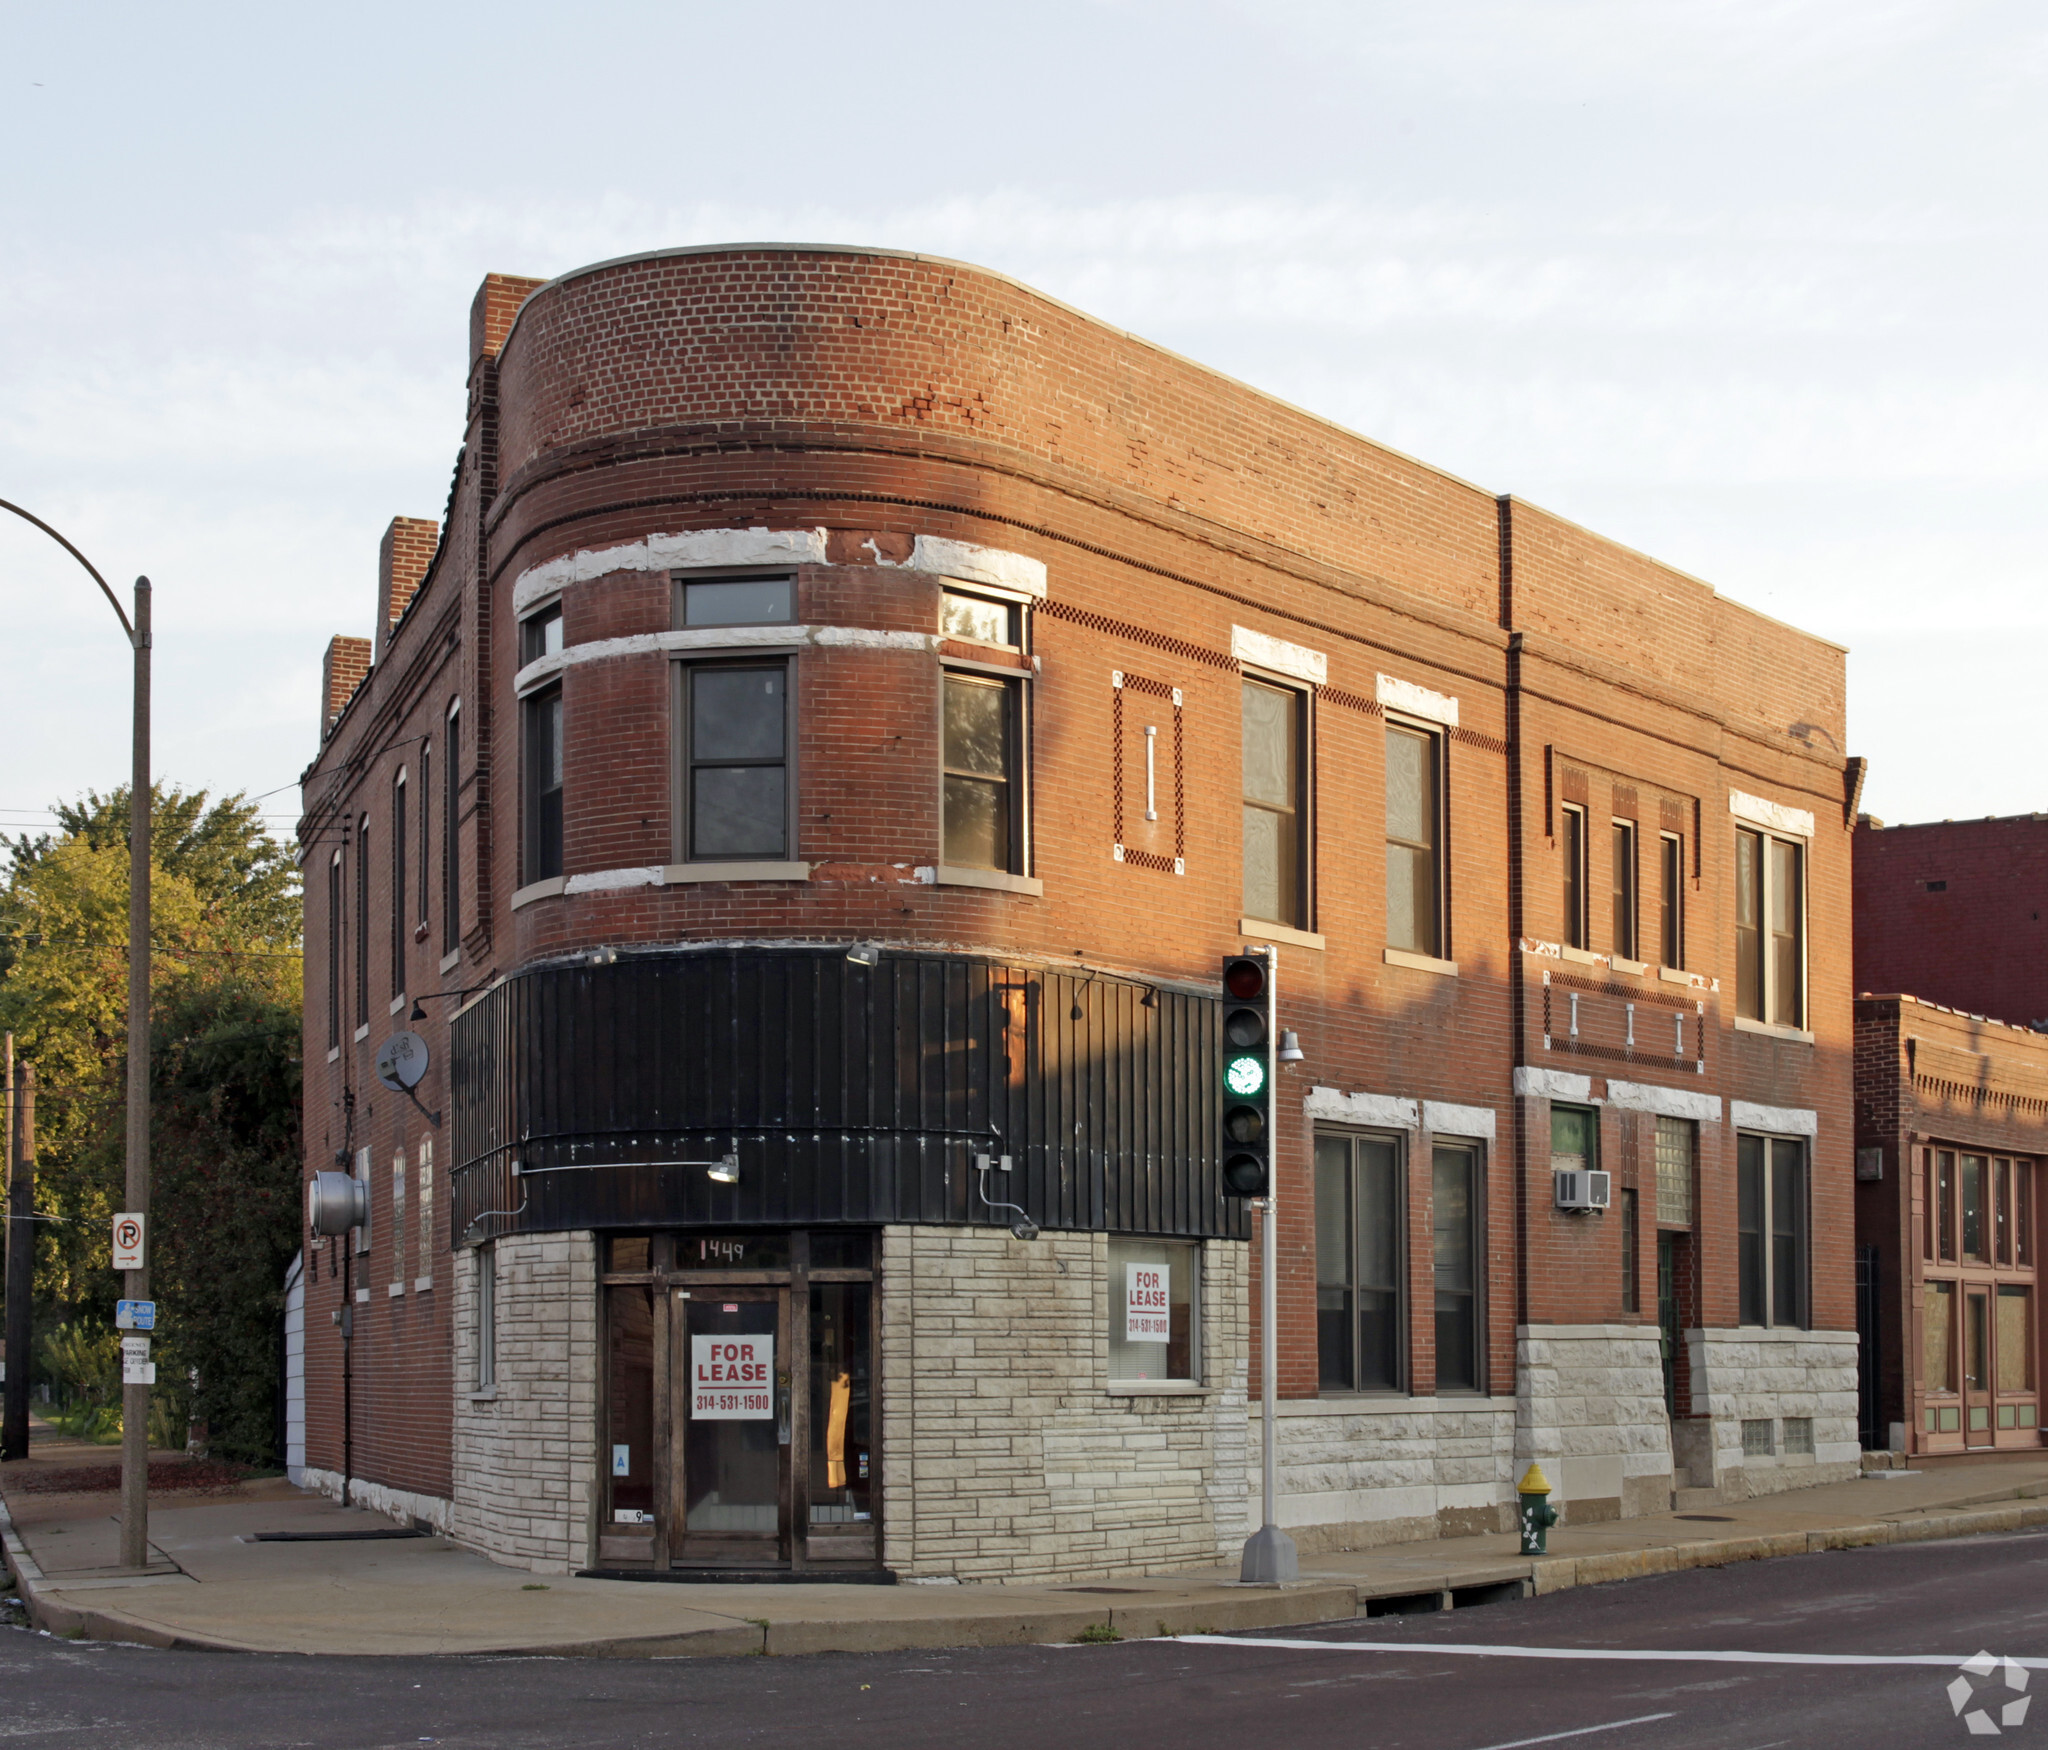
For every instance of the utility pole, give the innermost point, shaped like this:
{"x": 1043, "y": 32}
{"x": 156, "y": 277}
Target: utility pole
{"x": 21, "y": 1250}
{"x": 135, "y": 1398}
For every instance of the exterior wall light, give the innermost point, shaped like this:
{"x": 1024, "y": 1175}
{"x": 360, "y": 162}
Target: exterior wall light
{"x": 1290, "y": 1046}
{"x": 865, "y": 953}
{"x": 725, "y": 1170}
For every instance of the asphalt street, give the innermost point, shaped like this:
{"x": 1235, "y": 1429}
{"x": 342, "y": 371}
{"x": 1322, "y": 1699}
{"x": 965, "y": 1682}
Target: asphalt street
{"x": 1475, "y": 1679}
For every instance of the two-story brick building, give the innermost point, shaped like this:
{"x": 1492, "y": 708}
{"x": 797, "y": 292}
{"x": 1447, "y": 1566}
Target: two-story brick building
{"x": 849, "y": 708}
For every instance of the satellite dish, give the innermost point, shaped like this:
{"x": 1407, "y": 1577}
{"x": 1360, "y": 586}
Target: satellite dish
{"x": 401, "y": 1061}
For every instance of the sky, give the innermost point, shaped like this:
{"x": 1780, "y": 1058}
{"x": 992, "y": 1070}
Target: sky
{"x": 1754, "y": 286}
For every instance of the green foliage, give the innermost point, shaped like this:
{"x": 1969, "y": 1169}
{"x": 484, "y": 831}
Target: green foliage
{"x": 224, "y": 999}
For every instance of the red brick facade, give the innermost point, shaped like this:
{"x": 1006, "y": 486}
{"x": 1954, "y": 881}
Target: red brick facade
{"x": 885, "y": 399}
{"x": 1951, "y": 911}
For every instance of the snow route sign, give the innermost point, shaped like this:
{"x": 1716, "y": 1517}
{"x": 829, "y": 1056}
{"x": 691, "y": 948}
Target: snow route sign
{"x": 732, "y": 1379}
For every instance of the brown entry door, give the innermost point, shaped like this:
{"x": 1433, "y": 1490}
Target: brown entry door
{"x": 1977, "y": 1430}
{"x": 730, "y": 1380}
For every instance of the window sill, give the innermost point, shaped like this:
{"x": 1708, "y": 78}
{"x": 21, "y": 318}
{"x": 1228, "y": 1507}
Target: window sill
{"x": 1419, "y": 962}
{"x": 395, "y": 1290}
{"x": 362, "y": 1297}
{"x": 398, "y": 1002}
{"x": 1158, "y": 1388}
{"x": 420, "y": 1284}
{"x": 488, "y": 1395}
{"x": 449, "y": 959}
{"x": 1673, "y": 975}
{"x": 362, "y": 1032}
{"x": 1743, "y": 1024}
{"x": 1578, "y": 956}
{"x": 1622, "y": 963}
{"x": 551, "y": 888}
{"x": 995, "y": 880}
{"x": 1253, "y": 929}
{"x": 334, "y": 1054}
{"x": 680, "y": 874}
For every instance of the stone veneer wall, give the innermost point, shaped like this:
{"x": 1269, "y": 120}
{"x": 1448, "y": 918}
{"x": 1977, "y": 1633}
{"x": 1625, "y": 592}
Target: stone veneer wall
{"x": 1589, "y": 1408}
{"x": 1752, "y": 1374}
{"x": 1361, "y": 1471}
{"x": 1004, "y": 1453}
{"x": 526, "y": 1451}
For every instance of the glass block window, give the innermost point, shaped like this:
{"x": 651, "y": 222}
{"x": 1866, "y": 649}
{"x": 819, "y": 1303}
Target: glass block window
{"x": 1677, "y": 1145}
{"x": 1799, "y": 1434}
{"x": 1756, "y": 1439}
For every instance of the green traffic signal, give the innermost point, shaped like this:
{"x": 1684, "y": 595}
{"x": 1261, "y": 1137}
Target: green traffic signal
{"x": 1245, "y": 1076}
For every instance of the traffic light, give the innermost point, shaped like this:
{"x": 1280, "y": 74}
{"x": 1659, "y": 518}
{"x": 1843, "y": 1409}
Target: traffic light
{"x": 1247, "y": 1076}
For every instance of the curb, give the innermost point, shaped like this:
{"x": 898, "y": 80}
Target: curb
{"x": 1163, "y": 1616}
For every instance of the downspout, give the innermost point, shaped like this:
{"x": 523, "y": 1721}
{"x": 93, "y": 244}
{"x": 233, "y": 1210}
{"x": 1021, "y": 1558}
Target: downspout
{"x": 1504, "y": 507}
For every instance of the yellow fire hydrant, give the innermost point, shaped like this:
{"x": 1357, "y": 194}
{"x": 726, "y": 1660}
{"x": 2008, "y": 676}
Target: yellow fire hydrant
{"x": 1538, "y": 1516}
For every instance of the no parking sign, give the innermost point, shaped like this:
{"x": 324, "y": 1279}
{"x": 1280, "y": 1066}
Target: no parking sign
{"x": 128, "y": 1242}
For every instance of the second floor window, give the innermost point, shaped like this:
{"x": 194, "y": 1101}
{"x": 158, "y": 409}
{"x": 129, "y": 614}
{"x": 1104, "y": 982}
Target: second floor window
{"x": 451, "y": 833}
{"x": 1572, "y": 834}
{"x": 1623, "y": 940}
{"x": 1275, "y": 808}
{"x": 1770, "y": 928}
{"x": 735, "y": 762}
{"x": 363, "y": 921}
{"x": 980, "y": 797}
{"x": 1414, "y": 840}
{"x": 543, "y": 780}
{"x": 1671, "y": 900}
{"x": 335, "y": 902}
{"x": 398, "y": 887}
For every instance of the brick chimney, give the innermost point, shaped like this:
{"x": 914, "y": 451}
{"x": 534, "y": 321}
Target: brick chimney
{"x": 490, "y": 315}
{"x": 402, "y": 560}
{"x": 342, "y": 670}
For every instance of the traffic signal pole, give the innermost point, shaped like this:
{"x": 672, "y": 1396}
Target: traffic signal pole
{"x": 1270, "y": 1557}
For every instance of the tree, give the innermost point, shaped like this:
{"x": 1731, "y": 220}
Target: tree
{"x": 225, "y": 985}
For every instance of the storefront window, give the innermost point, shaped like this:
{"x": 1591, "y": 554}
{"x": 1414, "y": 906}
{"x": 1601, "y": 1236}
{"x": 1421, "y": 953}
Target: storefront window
{"x": 629, "y": 1399}
{"x": 1153, "y": 1294}
{"x": 1937, "y": 1366}
{"x": 2015, "y": 1351}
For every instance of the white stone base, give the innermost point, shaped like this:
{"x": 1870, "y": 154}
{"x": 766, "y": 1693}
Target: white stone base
{"x": 402, "y": 1505}
{"x": 1589, "y": 1408}
{"x": 526, "y": 1452}
{"x": 1749, "y": 1375}
{"x": 1356, "y": 1472}
{"x": 1006, "y": 1456}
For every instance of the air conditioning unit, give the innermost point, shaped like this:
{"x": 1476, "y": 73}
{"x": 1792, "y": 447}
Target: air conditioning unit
{"x": 1584, "y": 1189}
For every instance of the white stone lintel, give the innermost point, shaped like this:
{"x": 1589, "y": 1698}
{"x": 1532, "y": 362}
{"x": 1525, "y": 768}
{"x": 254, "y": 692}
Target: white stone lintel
{"x": 1775, "y": 815}
{"x": 1262, "y": 650}
{"x": 1552, "y": 1084}
{"x": 1407, "y": 697}
{"x": 1784, "y": 1120}
{"x": 1665, "y": 1102}
{"x": 692, "y": 549}
{"x": 1385, "y": 1110}
{"x": 1440, "y": 1118}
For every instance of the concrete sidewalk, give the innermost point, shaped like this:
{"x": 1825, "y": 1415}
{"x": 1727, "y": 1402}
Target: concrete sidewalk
{"x": 210, "y": 1586}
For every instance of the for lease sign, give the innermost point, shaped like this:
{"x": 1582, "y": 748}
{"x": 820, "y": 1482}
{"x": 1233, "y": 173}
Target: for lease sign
{"x": 1146, "y": 1316}
{"x": 732, "y": 1379}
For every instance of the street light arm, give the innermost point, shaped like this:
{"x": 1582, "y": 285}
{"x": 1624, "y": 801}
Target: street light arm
{"x": 30, "y": 517}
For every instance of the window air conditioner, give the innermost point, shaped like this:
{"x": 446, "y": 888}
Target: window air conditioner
{"x": 1584, "y": 1189}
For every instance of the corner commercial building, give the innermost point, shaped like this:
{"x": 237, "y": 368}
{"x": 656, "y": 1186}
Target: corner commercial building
{"x": 849, "y": 707}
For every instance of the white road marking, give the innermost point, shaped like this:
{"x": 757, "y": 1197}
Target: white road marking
{"x": 1476, "y": 1650}
{"x": 1580, "y": 1731}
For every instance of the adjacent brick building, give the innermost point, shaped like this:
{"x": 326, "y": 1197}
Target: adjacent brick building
{"x": 852, "y": 706}
{"x": 1952, "y": 1117}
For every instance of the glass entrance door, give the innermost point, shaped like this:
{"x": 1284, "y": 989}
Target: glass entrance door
{"x": 1976, "y": 1367}
{"x": 732, "y": 1347}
